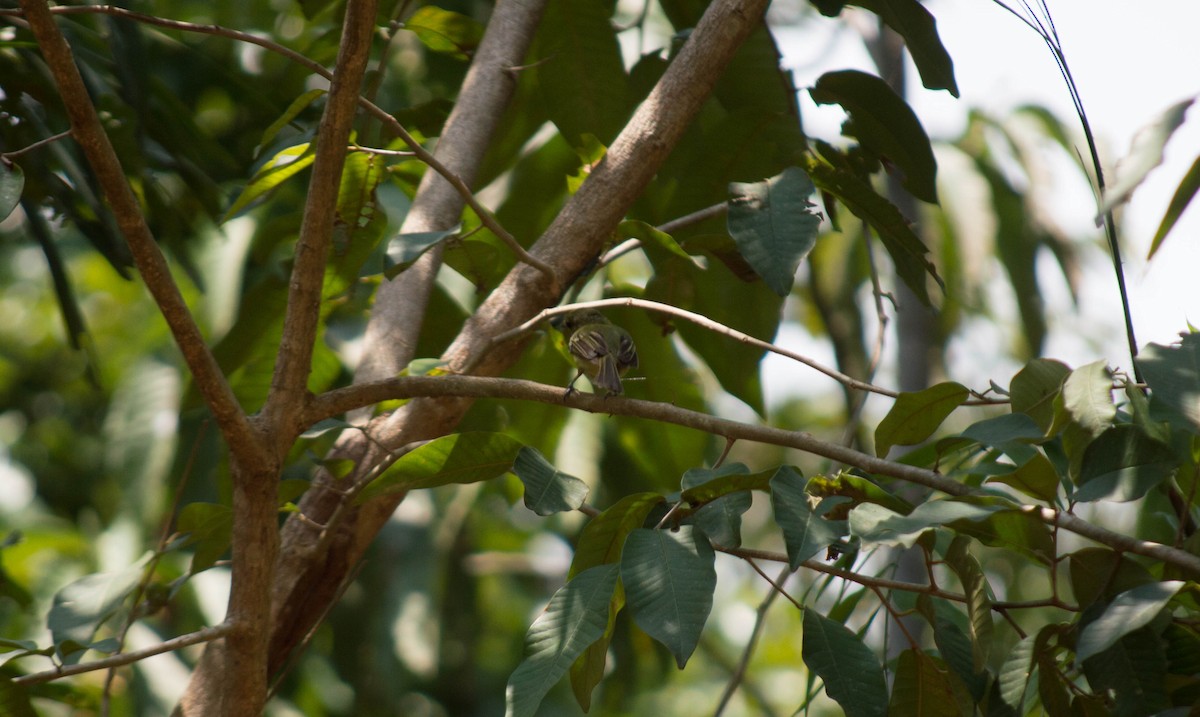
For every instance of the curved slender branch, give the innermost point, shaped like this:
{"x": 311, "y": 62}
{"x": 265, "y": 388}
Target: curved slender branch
{"x": 125, "y": 658}
{"x": 485, "y": 215}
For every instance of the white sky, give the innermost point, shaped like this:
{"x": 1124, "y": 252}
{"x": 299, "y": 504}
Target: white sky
{"x": 1131, "y": 62}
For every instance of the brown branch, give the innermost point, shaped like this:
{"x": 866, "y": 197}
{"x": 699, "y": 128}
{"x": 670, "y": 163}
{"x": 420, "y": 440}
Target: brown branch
{"x": 89, "y": 133}
{"x": 125, "y": 658}
{"x": 288, "y": 384}
{"x": 338, "y": 401}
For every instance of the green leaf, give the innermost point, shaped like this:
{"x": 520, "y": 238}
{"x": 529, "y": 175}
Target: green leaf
{"x": 325, "y": 425}
{"x": 852, "y": 675}
{"x": 12, "y": 183}
{"x": 356, "y": 204}
{"x": 1014, "y": 675}
{"x": 908, "y": 252}
{"x": 877, "y": 525}
{"x": 209, "y": 527}
{"x": 915, "y": 416}
{"x": 957, "y": 649}
{"x": 604, "y": 536}
{"x": 1131, "y": 673}
{"x": 458, "y": 458}
{"x": 581, "y": 79}
{"x": 926, "y": 687}
{"x": 650, "y": 235}
{"x": 1035, "y": 477}
{"x": 721, "y": 518}
{"x": 805, "y": 531}
{"x": 445, "y": 32}
{"x": 404, "y": 249}
{"x": 884, "y": 123}
{"x": 774, "y": 226}
{"x": 286, "y": 164}
{"x": 547, "y": 490}
{"x": 1173, "y": 374}
{"x": 293, "y": 110}
{"x": 80, "y": 608}
{"x": 725, "y": 482}
{"x": 1087, "y": 397}
{"x": 1099, "y": 573}
{"x": 1127, "y": 612}
{"x": 1123, "y": 464}
{"x": 1145, "y": 153}
{"x": 14, "y": 699}
{"x": 1035, "y": 387}
{"x": 916, "y": 25}
{"x": 979, "y": 601}
{"x": 1188, "y": 186}
{"x": 669, "y": 579}
{"x": 575, "y": 618}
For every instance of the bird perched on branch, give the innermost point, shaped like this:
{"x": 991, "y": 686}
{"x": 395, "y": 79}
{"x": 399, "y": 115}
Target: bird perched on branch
{"x": 599, "y": 348}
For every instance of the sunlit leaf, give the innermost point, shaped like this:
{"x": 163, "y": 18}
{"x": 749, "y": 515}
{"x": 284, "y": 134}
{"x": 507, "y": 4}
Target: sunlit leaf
{"x": 575, "y": 618}
{"x": 774, "y": 226}
{"x": 80, "y": 608}
{"x": 444, "y": 31}
{"x": 1035, "y": 387}
{"x": 852, "y": 675}
{"x": 458, "y": 458}
{"x": 284, "y": 165}
{"x": 1127, "y": 612}
{"x": 669, "y": 580}
{"x": 1145, "y": 153}
{"x": 915, "y": 416}
{"x": 547, "y": 490}
{"x": 648, "y": 234}
{"x": 877, "y": 525}
{"x": 293, "y": 110}
{"x": 1173, "y": 373}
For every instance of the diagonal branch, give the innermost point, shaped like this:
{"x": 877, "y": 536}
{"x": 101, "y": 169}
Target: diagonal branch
{"x": 88, "y": 132}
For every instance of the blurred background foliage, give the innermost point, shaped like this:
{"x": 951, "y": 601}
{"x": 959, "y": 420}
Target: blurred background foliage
{"x": 102, "y": 442}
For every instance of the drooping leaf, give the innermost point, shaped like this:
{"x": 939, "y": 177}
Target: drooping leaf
{"x": 1099, "y": 573}
{"x": 908, "y": 253}
{"x": 729, "y": 481}
{"x": 1087, "y": 397}
{"x": 774, "y": 226}
{"x": 884, "y": 123}
{"x": 669, "y": 580}
{"x": 915, "y": 416}
{"x": 1131, "y": 673}
{"x": 853, "y": 677}
{"x": 918, "y": 27}
{"x": 1188, "y": 186}
{"x": 877, "y": 525}
{"x": 1123, "y": 464}
{"x": 926, "y": 687}
{"x": 641, "y": 230}
{"x": 458, "y": 458}
{"x": 1014, "y": 674}
{"x": 547, "y": 490}
{"x": 604, "y": 536}
{"x": 445, "y": 32}
{"x": 805, "y": 532}
{"x": 1173, "y": 373}
{"x": 1127, "y": 612}
{"x": 293, "y": 110}
{"x": 1036, "y": 477}
{"x": 979, "y": 601}
{"x": 575, "y": 618}
{"x": 1145, "y": 153}
{"x": 12, "y": 183}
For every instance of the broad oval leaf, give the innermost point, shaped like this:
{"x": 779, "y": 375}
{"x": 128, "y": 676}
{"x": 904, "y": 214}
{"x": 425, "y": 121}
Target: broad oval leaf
{"x": 81, "y": 607}
{"x": 445, "y": 31}
{"x": 875, "y": 524}
{"x": 12, "y": 183}
{"x": 884, "y": 123}
{"x": 1087, "y": 397}
{"x": 916, "y": 25}
{"x": 404, "y": 249}
{"x": 575, "y": 618}
{"x": 1035, "y": 387}
{"x": 1127, "y": 612}
{"x": 721, "y": 518}
{"x": 604, "y": 536}
{"x": 915, "y": 416}
{"x": 979, "y": 601}
{"x": 547, "y": 489}
{"x": 669, "y": 579}
{"x": 774, "y": 226}
{"x": 852, "y": 675}
{"x": 459, "y": 458}
{"x": 925, "y": 686}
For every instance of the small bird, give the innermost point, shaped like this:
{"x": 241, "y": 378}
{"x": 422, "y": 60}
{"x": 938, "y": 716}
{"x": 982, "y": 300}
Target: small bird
{"x": 599, "y": 348}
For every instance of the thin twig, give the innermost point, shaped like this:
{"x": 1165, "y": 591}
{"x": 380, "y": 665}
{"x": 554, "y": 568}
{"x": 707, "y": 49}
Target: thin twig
{"x": 760, "y": 619}
{"x": 176, "y": 643}
{"x": 7, "y": 156}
